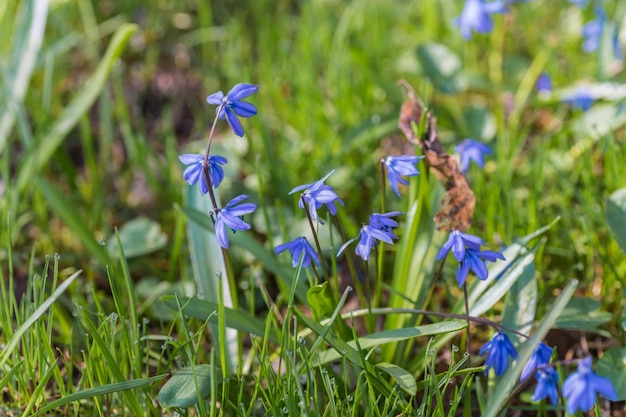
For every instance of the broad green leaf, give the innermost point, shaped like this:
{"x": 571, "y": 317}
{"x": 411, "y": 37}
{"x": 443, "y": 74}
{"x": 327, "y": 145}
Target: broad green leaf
{"x": 616, "y": 216}
{"x": 442, "y": 66}
{"x": 97, "y": 391}
{"x": 599, "y": 120}
{"x": 189, "y": 385}
{"x": 400, "y": 375}
{"x": 246, "y": 241}
{"x": 396, "y": 335}
{"x": 506, "y": 383}
{"x": 235, "y": 319}
{"x": 49, "y": 142}
{"x": 521, "y": 303}
{"x": 612, "y": 365}
{"x": 583, "y": 313}
{"x": 320, "y": 299}
{"x": 480, "y": 122}
{"x": 139, "y": 236}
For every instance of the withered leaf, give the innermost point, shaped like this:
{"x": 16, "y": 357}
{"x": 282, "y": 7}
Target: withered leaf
{"x": 457, "y": 204}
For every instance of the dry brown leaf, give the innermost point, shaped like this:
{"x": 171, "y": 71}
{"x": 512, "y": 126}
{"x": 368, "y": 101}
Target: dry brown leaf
{"x": 457, "y": 204}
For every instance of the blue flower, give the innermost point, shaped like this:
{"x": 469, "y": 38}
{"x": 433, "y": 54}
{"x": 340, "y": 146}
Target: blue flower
{"x": 316, "y": 195}
{"x": 581, "y": 387}
{"x": 544, "y": 83}
{"x": 499, "y": 349}
{"x": 472, "y": 150}
{"x": 475, "y": 16}
{"x": 380, "y": 228}
{"x": 398, "y": 166}
{"x": 475, "y": 260}
{"x": 592, "y": 31}
{"x": 547, "y": 380}
{"x": 193, "y": 172}
{"x": 580, "y": 98}
{"x": 540, "y": 357}
{"x": 231, "y": 106}
{"x": 457, "y": 241}
{"x": 300, "y": 246}
{"x": 231, "y": 216}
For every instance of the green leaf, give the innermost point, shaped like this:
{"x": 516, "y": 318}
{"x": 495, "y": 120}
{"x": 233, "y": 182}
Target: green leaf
{"x": 616, "y": 216}
{"x": 480, "y": 122}
{"x": 400, "y": 375}
{"x": 246, "y": 241}
{"x": 320, "y": 298}
{"x": 139, "y": 236}
{"x": 97, "y": 391}
{"x": 521, "y": 303}
{"x": 442, "y": 67}
{"x": 48, "y": 143}
{"x": 235, "y": 319}
{"x": 583, "y": 313}
{"x": 612, "y": 365}
{"x": 189, "y": 385}
{"x": 395, "y": 335}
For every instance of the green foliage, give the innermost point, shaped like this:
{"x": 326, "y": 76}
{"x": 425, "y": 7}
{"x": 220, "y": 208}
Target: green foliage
{"x": 97, "y": 99}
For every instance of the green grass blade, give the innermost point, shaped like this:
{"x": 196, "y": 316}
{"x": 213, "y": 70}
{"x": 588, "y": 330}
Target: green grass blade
{"x": 48, "y": 142}
{"x": 15, "y": 340}
{"x": 28, "y": 39}
{"x": 97, "y": 391}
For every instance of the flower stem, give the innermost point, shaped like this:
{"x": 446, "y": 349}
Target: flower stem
{"x": 467, "y": 317}
{"x": 317, "y": 242}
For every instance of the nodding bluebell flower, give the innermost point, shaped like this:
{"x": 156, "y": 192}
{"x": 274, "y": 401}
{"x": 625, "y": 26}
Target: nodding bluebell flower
{"x": 472, "y": 150}
{"x": 231, "y": 216}
{"x": 540, "y": 357}
{"x": 593, "y": 33}
{"x": 475, "y": 260}
{"x": 476, "y": 16}
{"x": 380, "y": 228}
{"x": 544, "y": 83}
{"x": 193, "y": 173}
{"x": 231, "y": 106}
{"x": 457, "y": 241}
{"x": 300, "y": 246}
{"x": 499, "y": 349}
{"x": 398, "y": 166}
{"x": 581, "y": 387}
{"x": 580, "y": 98}
{"x": 316, "y": 195}
{"x": 547, "y": 380}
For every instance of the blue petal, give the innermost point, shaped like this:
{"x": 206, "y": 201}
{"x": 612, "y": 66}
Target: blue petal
{"x": 243, "y": 109}
{"x": 233, "y": 122}
{"x": 241, "y": 91}
{"x": 215, "y": 98}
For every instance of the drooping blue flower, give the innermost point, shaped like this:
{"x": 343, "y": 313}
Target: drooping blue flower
{"x": 472, "y": 150}
{"x": 592, "y": 31}
{"x": 380, "y": 228}
{"x": 316, "y": 195}
{"x": 580, "y": 98}
{"x": 547, "y": 381}
{"x": 581, "y": 387}
{"x": 475, "y": 16}
{"x": 544, "y": 83}
{"x": 193, "y": 173}
{"x": 540, "y": 357}
{"x": 231, "y": 216}
{"x": 499, "y": 349}
{"x": 475, "y": 260}
{"x": 230, "y": 105}
{"x": 398, "y": 166}
{"x": 457, "y": 241}
{"x": 300, "y": 246}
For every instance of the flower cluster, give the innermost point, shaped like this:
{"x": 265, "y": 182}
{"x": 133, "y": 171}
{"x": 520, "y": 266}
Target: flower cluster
{"x": 207, "y": 169}
{"x": 579, "y": 389}
{"x": 466, "y": 250}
